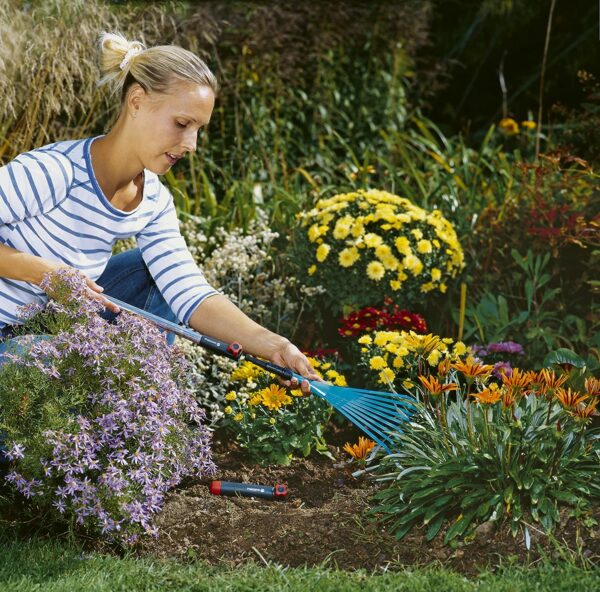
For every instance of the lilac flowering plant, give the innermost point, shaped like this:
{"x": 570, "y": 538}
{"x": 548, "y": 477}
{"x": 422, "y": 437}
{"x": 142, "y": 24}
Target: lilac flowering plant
{"x": 502, "y": 354}
{"x": 96, "y": 424}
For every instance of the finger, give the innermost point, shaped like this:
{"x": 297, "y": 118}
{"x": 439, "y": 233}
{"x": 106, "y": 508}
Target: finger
{"x": 105, "y": 302}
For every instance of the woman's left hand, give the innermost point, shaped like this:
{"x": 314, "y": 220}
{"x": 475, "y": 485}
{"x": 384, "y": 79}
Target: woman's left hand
{"x": 290, "y": 356}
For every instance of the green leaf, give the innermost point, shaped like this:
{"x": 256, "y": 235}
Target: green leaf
{"x": 564, "y": 356}
{"x": 435, "y": 526}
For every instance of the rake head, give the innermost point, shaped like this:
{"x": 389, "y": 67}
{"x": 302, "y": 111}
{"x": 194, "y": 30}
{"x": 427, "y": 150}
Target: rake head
{"x": 380, "y": 415}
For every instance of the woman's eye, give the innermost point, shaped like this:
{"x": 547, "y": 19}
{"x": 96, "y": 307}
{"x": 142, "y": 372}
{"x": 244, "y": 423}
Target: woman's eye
{"x": 179, "y": 124}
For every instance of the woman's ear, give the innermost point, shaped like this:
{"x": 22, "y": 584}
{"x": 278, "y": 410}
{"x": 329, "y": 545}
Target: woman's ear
{"x": 135, "y": 99}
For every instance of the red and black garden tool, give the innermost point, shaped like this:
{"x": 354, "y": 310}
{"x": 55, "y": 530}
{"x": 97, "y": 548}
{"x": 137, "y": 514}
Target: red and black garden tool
{"x": 380, "y": 415}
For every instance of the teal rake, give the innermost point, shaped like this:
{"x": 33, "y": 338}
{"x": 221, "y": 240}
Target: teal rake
{"x": 380, "y": 415}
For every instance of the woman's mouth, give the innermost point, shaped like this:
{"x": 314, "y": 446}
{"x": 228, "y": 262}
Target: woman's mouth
{"x": 172, "y": 158}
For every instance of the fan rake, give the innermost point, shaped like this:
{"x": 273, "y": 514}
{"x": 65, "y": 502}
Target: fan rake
{"x": 380, "y": 415}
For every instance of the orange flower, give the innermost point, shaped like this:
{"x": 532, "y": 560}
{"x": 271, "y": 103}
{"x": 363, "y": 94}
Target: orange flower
{"x": 444, "y": 367}
{"x": 549, "y": 381}
{"x": 359, "y": 451}
{"x": 584, "y": 414}
{"x": 592, "y": 386}
{"x": 508, "y": 398}
{"x": 518, "y": 379}
{"x": 434, "y": 387}
{"x": 488, "y": 396}
{"x": 473, "y": 369}
{"x": 568, "y": 398}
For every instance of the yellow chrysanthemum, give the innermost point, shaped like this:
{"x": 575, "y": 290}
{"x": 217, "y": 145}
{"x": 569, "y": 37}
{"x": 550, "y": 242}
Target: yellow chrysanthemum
{"x": 530, "y": 125}
{"x": 403, "y": 245}
{"x": 436, "y": 274}
{"x": 387, "y": 375}
{"x": 508, "y": 126}
{"x": 375, "y": 270}
{"x": 377, "y": 363}
{"x": 459, "y": 348}
{"x": 373, "y": 240}
{"x": 312, "y": 269}
{"x": 418, "y": 234}
{"x": 246, "y": 371}
{"x": 231, "y": 396}
{"x": 238, "y": 417}
{"x": 255, "y": 400}
{"x": 395, "y": 285}
{"x": 398, "y": 362}
{"x": 322, "y": 252}
{"x": 228, "y": 409}
{"x": 434, "y": 357}
{"x": 272, "y": 421}
{"x": 413, "y": 264}
{"x": 340, "y": 381}
{"x": 349, "y": 256}
{"x": 314, "y": 233}
{"x": 424, "y": 246}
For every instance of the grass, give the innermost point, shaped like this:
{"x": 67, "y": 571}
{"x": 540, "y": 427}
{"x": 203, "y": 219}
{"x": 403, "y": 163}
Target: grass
{"x": 53, "y": 566}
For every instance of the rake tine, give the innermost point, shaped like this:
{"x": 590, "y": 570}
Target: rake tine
{"x": 367, "y": 428}
{"x": 386, "y": 406}
{"x": 385, "y": 420}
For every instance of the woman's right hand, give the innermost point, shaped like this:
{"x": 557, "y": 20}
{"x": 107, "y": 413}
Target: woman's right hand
{"x": 93, "y": 289}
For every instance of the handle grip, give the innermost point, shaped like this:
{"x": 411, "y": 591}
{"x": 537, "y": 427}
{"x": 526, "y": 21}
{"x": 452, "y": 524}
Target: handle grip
{"x": 284, "y": 373}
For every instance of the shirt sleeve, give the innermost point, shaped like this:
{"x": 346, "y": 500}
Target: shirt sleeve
{"x": 32, "y": 184}
{"x": 170, "y": 262}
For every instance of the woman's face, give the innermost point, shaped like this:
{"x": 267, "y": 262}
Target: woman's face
{"x": 167, "y": 125}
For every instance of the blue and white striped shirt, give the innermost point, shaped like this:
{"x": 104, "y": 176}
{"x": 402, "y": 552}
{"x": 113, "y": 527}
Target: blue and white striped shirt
{"x": 52, "y": 206}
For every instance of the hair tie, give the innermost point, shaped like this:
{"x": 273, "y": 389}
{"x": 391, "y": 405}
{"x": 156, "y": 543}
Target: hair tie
{"x": 130, "y": 53}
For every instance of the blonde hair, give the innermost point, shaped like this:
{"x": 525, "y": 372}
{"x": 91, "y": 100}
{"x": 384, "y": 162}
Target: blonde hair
{"x": 124, "y": 62}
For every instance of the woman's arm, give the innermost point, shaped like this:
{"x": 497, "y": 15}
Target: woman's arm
{"x": 218, "y": 317}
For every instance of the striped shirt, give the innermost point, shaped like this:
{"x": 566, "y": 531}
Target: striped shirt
{"x": 52, "y": 206}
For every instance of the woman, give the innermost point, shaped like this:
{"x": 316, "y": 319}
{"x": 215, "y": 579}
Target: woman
{"x": 66, "y": 203}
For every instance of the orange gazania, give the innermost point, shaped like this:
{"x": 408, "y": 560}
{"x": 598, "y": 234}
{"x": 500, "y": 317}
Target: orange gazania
{"x": 444, "y": 367}
{"x": 473, "y": 369}
{"x": 360, "y": 450}
{"x": 585, "y": 413}
{"x": 518, "y": 379}
{"x": 592, "y": 386}
{"x": 434, "y": 387}
{"x": 488, "y": 396}
{"x": 549, "y": 381}
{"x": 568, "y": 398}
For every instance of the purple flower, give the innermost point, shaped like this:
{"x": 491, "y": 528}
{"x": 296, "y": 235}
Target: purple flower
{"x": 506, "y": 347}
{"x": 15, "y": 451}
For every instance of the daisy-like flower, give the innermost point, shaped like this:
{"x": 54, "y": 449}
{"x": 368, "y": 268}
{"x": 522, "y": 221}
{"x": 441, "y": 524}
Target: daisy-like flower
{"x": 434, "y": 387}
{"x": 231, "y": 396}
{"x": 322, "y": 252}
{"x": 387, "y": 375}
{"x": 444, "y": 368}
{"x": 518, "y": 379}
{"x": 360, "y": 450}
{"x": 472, "y": 369}
{"x": 584, "y": 414}
{"x": 378, "y": 363}
{"x": 488, "y": 396}
{"x": 274, "y": 396}
{"x": 548, "y": 380}
{"x": 375, "y": 270}
{"x": 348, "y": 257}
{"x": 421, "y": 344}
{"x": 592, "y": 386}
{"x": 568, "y": 398}
{"x": 508, "y": 126}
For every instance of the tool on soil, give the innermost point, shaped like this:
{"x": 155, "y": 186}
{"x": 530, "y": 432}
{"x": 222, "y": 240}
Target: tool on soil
{"x": 380, "y": 415}
{"x": 248, "y": 489}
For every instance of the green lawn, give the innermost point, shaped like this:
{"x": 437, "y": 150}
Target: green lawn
{"x": 52, "y": 566}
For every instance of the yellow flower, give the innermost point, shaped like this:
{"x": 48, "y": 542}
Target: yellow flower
{"x": 322, "y": 252}
{"x": 398, "y": 362}
{"x": 424, "y": 246}
{"x": 373, "y": 240}
{"x": 359, "y": 451}
{"x": 434, "y": 357}
{"x": 530, "y": 125}
{"x": 436, "y": 274}
{"x": 246, "y": 371}
{"x": 402, "y": 245}
{"x": 489, "y": 396}
{"x": 395, "y": 285}
{"x": 312, "y": 269}
{"x": 387, "y": 375}
{"x": 331, "y": 374}
{"x": 375, "y": 270}
{"x": 377, "y": 363}
{"x": 349, "y": 256}
{"x": 272, "y": 421}
{"x": 365, "y": 340}
{"x": 459, "y": 349}
{"x": 340, "y": 380}
{"x": 255, "y": 400}
{"x": 238, "y": 417}
{"x": 508, "y": 126}
{"x": 413, "y": 264}
{"x": 228, "y": 409}
{"x": 417, "y": 234}
{"x": 231, "y": 396}
{"x": 274, "y": 396}
{"x": 408, "y": 384}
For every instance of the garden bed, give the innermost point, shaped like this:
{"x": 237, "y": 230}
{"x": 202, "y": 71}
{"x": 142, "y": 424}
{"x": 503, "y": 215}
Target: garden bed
{"x": 322, "y": 520}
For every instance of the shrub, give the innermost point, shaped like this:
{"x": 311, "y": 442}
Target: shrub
{"x": 366, "y": 245}
{"x": 478, "y": 450}
{"x": 274, "y": 424}
{"x": 95, "y": 422}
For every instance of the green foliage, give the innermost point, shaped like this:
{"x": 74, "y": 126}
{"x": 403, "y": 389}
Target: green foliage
{"x": 512, "y": 455}
{"x": 272, "y": 424}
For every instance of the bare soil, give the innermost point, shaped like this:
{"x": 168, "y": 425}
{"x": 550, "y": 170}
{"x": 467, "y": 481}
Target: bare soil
{"x": 323, "y": 520}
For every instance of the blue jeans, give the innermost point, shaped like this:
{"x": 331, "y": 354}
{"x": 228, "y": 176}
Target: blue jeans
{"x": 127, "y": 278}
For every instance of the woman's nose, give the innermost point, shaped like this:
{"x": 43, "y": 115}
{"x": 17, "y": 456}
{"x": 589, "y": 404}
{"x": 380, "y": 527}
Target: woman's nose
{"x": 190, "y": 140}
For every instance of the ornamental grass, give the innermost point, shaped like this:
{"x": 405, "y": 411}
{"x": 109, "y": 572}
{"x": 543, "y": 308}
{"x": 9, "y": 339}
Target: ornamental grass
{"x": 96, "y": 424}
